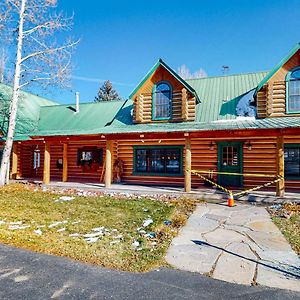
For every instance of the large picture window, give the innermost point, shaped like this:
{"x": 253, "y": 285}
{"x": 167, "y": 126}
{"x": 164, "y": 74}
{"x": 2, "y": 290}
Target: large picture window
{"x": 292, "y": 161}
{"x": 161, "y": 101}
{"x": 293, "y": 91}
{"x": 89, "y": 158}
{"x": 158, "y": 161}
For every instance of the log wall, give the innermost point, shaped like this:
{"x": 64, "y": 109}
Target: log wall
{"x": 183, "y": 102}
{"x": 125, "y": 153}
{"x": 271, "y": 99}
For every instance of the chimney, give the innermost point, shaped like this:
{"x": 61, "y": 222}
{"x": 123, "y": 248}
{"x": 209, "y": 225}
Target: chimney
{"x": 77, "y": 102}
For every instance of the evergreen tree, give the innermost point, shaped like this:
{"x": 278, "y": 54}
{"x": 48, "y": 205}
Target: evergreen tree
{"x": 107, "y": 93}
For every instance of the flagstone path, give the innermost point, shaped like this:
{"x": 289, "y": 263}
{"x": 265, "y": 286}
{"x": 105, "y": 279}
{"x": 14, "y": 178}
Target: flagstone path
{"x": 239, "y": 244}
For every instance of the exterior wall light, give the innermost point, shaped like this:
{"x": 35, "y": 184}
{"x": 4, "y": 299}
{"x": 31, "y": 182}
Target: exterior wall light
{"x": 249, "y": 146}
{"x": 211, "y": 146}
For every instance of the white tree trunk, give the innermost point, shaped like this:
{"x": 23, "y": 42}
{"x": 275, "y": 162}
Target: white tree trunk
{"x": 14, "y": 101}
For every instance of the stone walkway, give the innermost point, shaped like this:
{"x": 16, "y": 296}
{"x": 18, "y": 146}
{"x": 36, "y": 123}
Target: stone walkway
{"x": 239, "y": 244}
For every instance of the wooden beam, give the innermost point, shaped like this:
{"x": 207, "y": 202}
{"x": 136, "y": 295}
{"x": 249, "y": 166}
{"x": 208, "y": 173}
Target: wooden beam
{"x": 14, "y": 162}
{"x": 108, "y": 164}
{"x": 46, "y": 173}
{"x": 187, "y": 166}
{"x": 65, "y": 163}
{"x": 280, "y": 186}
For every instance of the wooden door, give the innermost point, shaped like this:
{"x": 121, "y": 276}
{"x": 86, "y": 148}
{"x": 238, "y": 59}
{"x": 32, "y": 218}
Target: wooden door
{"x": 230, "y": 160}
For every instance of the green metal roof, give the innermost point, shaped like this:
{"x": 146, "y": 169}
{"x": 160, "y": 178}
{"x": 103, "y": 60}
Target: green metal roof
{"x": 63, "y": 118}
{"x": 238, "y": 124}
{"x": 220, "y": 95}
{"x": 28, "y": 110}
{"x": 278, "y": 66}
{"x": 160, "y": 62}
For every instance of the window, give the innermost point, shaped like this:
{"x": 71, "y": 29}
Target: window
{"x": 161, "y": 101}
{"x": 292, "y": 161}
{"x": 293, "y": 91}
{"x": 36, "y": 158}
{"x": 230, "y": 156}
{"x": 89, "y": 157}
{"x": 160, "y": 161}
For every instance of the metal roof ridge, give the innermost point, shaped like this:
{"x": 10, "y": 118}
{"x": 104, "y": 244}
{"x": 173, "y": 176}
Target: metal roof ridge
{"x": 225, "y": 76}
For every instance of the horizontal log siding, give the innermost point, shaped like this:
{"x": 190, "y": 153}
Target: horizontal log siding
{"x": 75, "y": 172}
{"x": 56, "y": 152}
{"x": 26, "y": 161}
{"x": 271, "y": 99}
{"x": 203, "y": 159}
{"x": 125, "y": 153}
{"x": 261, "y": 159}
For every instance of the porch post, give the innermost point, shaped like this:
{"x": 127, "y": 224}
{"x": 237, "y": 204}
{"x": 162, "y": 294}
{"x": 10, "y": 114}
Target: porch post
{"x": 65, "y": 163}
{"x": 108, "y": 162}
{"x": 14, "y": 160}
{"x": 280, "y": 186}
{"x": 46, "y": 173}
{"x": 188, "y": 166}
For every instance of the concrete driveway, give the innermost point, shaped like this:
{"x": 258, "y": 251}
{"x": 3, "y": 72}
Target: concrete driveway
{"x": 239, "y": 244}
{"x": 28, "y": 275}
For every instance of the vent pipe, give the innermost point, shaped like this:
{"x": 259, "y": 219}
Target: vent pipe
{"x": 77, "y": 102}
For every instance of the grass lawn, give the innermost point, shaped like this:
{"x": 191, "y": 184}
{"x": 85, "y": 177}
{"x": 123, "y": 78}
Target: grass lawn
{"x": 102, "y": 230}
{"x": 288, "y": 221}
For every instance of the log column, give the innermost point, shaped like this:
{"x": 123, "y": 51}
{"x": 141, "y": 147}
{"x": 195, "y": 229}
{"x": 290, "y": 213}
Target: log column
{"x": 188, "y": 166}
{"x": 280, "y": 186}
{"x": 46, "y": 173}
{"x": 14, "y": 160}
{"x": 65, "y": 163}
{"x": 108, "y": 164}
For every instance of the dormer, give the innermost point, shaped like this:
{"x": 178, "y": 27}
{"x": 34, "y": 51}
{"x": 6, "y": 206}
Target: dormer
{"x": 278, "y": 94}
{"x": 163, "y": 96}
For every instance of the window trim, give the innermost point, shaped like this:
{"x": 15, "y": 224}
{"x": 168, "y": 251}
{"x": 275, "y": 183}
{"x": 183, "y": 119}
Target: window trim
{"x": 287, "y": 81}
{"x": 291, "y": 146}
{"x": 171, "y": 100}
{"x": 180, "y": 174}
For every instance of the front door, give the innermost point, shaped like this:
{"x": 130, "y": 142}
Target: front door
{"x": 230, "y": 161}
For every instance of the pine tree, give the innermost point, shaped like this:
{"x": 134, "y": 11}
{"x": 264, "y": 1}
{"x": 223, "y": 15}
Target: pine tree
{"x": 107, "y": 93}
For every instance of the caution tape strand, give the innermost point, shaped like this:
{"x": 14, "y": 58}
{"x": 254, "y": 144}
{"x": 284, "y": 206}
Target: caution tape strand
{"x": 238, "y": 194}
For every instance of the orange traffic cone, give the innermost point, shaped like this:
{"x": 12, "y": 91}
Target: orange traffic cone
{"x": 230, "y": 202}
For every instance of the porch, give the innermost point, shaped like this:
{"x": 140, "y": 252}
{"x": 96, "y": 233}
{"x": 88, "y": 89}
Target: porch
{"x": 207, "y": 194}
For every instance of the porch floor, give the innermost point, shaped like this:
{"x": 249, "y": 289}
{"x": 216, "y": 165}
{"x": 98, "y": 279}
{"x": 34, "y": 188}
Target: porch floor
{"x": 208, "y": 194}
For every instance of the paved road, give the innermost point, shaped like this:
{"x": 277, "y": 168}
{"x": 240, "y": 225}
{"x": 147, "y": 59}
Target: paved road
{"x": 28, "y": 275}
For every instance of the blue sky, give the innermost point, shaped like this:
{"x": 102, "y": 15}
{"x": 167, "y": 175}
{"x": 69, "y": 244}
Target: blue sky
{"x": 121, "y": 40}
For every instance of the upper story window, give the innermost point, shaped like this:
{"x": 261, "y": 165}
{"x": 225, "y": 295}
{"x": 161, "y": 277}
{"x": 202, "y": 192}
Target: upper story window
{"x": 161, "y": 101}
{"x": 293, "y": 91}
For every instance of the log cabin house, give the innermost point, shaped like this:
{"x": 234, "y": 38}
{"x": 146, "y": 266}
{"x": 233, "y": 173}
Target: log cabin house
{"x": 246, "y": 123}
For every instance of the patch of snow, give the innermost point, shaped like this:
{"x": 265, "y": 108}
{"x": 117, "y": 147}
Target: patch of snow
{"x": 246, "y": 106}
{"x": 92, "y": 240}
{"x": 98, "y": 229}
{"x": 38, "y": 232}
{"x": 91, "y": 235}
{"x": 16, "y": 223}
{"x": 2, "y": 222}
{"x": 114, "y": 242}
{"x": 17, "y": 227}
{"x": 64, "y": 198}
{"x": 57, "y": 223}
{"x": 61, "y": 229}
{"x": 76, "y": 222}
{"x": 74, "y": 234}
{"x": 147, "y": 222}
{"x": 135, "y": 244}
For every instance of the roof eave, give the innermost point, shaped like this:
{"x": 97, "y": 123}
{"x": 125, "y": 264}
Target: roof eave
{"x": 160, "y": 62}
{"x": 278, "y": 66}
